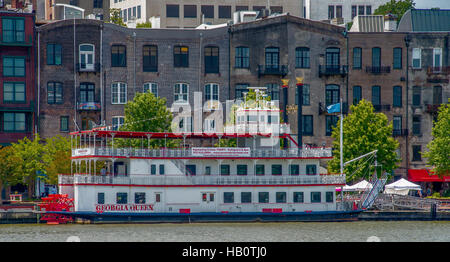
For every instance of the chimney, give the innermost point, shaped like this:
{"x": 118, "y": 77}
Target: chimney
{"x": 390, "y": 23}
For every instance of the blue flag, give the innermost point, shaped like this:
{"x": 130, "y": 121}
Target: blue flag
{"x": 336, "y": 108}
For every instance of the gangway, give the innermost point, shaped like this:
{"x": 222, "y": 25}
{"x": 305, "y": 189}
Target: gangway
{"x": 370, "y": 194}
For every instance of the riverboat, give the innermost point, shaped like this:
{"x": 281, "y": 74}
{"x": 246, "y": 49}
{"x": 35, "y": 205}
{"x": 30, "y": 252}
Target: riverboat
{"x": 255, "y": 180}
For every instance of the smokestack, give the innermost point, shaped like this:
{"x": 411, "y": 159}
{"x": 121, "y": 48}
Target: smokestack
{"x": 390, "y": 23}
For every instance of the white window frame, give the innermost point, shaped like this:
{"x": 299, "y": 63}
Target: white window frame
{"x": 118, "y": 121}
{"x": 437, "y": 66}
{"x": 89, "y": 66}
{"x": 180, "y": 93}
{"x": 152, "y": 87}
{"x": 416, "y": 54}
{"x": 213, "y": 99}
{"x": 209, "y": 126}
{"x": 121, "y": 94}
{"x": 187, "y": 124}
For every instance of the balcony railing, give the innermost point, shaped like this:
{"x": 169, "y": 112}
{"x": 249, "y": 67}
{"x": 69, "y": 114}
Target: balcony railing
{"x": 400, "y": 132}
{"x": 187, "y": 153}
{"x": 436, "y": 70}
{"x": 88, "y": 106}
{"x": 280, "y": 70}
{"x": 330, "y": 70}
{"x": 88, "y": 67}
{"x": 202, "y": 180}
{"x": 378, "y": 69}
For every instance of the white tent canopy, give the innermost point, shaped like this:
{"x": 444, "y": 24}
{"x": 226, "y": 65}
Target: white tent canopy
{"x": 401, "y": 187}
{"x": 361, "y": 186}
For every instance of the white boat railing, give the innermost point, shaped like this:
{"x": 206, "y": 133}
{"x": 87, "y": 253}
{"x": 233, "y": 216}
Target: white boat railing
{"x": 202, "y": 180}
{"x": 164, "y": 153}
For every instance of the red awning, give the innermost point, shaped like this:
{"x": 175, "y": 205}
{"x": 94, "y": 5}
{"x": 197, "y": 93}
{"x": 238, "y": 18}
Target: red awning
{"x": 424, "y": 175}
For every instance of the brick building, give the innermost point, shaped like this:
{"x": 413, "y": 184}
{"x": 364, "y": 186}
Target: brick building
{"x": 17, "y": 81}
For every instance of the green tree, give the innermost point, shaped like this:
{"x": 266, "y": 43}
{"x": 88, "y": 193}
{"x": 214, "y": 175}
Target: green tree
{"x": 147, "y": 113}
{"x": 114, "y": 17}
{"x": 439, "y": 148}
{"x": 144, "y": 25}
{"x": 10, "y": 168}
{"x": 395, "y": 7}
{"x": 56, "y": 158}
{"x": 364, "y": 131}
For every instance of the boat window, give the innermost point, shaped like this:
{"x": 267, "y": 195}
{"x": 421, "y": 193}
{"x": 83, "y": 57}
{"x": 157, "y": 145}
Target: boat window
{"x": 246, "y": 197}
{"x": 153, "y": 169}
{"x": 157, "y": 197}
{"x": 207, "y": 170}
{"x": 316, "y": 197}
{"x": 329, "y": 197}
{"x": 294, "y": 170}
{"x": 122, "y": 198}
{"x": 139, "y": 198}
{"x": 100, "y": 198}
{"x": 311, "y": 169}
{"x": 242, "y": 170}
{"x": 224, "y": 170}
{"x": 298, "y": 197}
{"x": 228, "y": 197}
{"x": 263, "y": 197}
{"x": 161, "y": 169}
{"x": 280, "y": 197}
{"x": 259, "y": 170}
{"x": 276, "y": 170}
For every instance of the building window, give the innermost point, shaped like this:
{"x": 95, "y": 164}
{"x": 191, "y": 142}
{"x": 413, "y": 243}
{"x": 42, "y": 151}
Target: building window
{"x": 117, "y": 122}
{"x": 241, "y": 8}
{"x": 13, "y": 92}
{"x": 64, "y": 123}
{"x": 437, "y": 58}
{"x": 331, "y": 94}
{"x": 190, "y": 11}
{"x": 118, "y": 93}
{"x": 224, "y": 11}
{"x": 211, "y": 92}
{"x": 118, "y": 56}
{"x": 273, "y": 90}
{"x": 397, "y": 57}
{"x": 272, "y": 55}
{"x": 332, "y": 58}
{"x": 353, "y": 11}
{"x": 298, "y": 197}
{"x": 276, "y": 170}
{"x": 376, "y": 97}
{"x": 14, "y": 122}
{"x": 87, "y": 92}
{"x": 417, "y": 155}
{"x": 368, "y": 9}
{"x": 86, "y": 58}
{"x": 54, "y": 93}
{"x": 211, "y": 59}
{"x": 54, "y": 54}
{"x": 306, "y": 101}
{"x": 294, "y": 170}
{"x": 376, "y": 57}
{"x": 181, "y": 56}
{"x": 139, "y": 198}
{"x": 339, "y": 11}
{"x": 397, "y": 96}
{"x": 240, "y": 90}
{"x": 416, "y": 125}
{"x": 150, "y": 58}
{"x": 329, "y": 197}
{"x": 417, "y": 93}
{"x": 138, "y": 11}
{"x": 13, "y": 66}
{"x": 173, "y": 11}
{"x": 242, "y": 57}
{"x": 357, "y": 95}
{"x": 224, "y": 170}
{"x": 302, "y": 57}
{"x": 207, "y": 11}
{"x": 181, "y": 93}
{"x": 417, "y": 58}
{"x": 263, "y": 197}
{"x": 330, "y": 122}
{"x": 437, "y": 95}
{"x": 228, "y": 197}
{"x": 241, "y": 170}
{"x": 307, "y": 127}
{"x": 316, "y": 197}
{"x": 311, "y": 169}
{"x": 100, "y": 198}
{"x": 98, "y": 3}
{"x": 121, "y": 198}
{"x": 361, "y": 10}
{"x": 246, "y": 197}
{"x": 152, "y": 88}
{"x": 280, "y": 197}
{"x": 397, "y": 125}
{"x": 330, "y": 11}
{"x": 357, "y": 58}
{"x": 134, "y": 11}
{"x": 13, "y": 30}
{"x": 259, "y": 170}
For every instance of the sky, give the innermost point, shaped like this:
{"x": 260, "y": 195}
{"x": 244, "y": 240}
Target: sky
{"x": 426, "y": 4}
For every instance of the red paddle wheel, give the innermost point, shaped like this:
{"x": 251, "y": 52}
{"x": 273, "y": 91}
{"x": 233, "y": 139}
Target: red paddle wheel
{"x": 56, "y": 202}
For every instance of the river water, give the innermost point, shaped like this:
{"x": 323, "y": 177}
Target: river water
{"x": 358, "y": 231}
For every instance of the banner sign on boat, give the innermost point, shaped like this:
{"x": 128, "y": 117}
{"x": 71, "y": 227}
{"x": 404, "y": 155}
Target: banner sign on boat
{"x": 83, "y": 152}
{"x": 221, "y": 151}
{"x": 123, "y": 208}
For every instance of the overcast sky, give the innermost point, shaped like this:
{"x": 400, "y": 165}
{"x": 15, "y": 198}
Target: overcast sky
{"x": 426, "y": 4}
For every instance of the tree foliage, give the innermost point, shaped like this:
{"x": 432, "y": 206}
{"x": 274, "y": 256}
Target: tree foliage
{"x": 56, "y": 158}
{"x": 395, "y": 7}
{"x": 364, "y": 131}
{"x": 115, "y": 18}
{"x": 10, "y": 172}
{"x": 144, "y": 25}
{"x": 439, "y": 148}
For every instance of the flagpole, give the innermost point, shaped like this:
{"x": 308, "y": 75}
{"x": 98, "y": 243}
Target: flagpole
{"x": 341, "y": 145}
